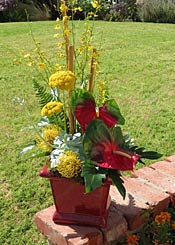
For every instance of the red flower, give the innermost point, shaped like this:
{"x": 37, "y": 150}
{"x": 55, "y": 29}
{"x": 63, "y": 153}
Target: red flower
{"x": 100, "y": 147}
{"x": 108, "y": 155}
{"x": 86, "y": 110}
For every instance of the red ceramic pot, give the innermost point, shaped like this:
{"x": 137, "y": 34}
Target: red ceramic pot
{"x": 74, "y": 206}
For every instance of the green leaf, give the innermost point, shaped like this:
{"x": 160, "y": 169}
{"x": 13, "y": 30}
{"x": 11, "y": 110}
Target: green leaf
{"x": 92, "y": 178}
{"x": 150, "y": 155}
{"x": 41, "y": 93}
{"x": 79, "y": 96}
{"x": 118, "y": 136}
{"x": 96, "y": 134}
{"x": 118, "y": 182}
{"x": 113, "y": 108}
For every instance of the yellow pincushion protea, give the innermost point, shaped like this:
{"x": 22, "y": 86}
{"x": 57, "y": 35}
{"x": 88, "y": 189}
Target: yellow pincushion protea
{"x": 69, "y": 164}
{"x": 63, "y": 80}
{"x": 53, "y": 107}
{"x": 49, "y": 134}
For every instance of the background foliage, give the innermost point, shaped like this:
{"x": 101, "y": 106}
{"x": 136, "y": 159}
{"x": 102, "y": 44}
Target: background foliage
{"x": 137, "y": 60}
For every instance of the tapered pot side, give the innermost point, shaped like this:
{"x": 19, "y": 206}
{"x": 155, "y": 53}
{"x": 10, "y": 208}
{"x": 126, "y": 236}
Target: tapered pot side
{"x": 74, "y": 206}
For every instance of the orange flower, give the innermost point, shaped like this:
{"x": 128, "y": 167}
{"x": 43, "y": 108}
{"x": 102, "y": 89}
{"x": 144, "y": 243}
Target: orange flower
{"x": 162, "y": 217}
{"x": 132, "y": 240}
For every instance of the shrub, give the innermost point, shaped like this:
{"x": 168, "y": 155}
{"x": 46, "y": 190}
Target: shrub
{"x": 124, "y": 10}
{"x": 13, "y": 11}
{"x": 159, "y": 11}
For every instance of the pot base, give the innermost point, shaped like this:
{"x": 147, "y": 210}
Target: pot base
{"x": 80, "y": 219}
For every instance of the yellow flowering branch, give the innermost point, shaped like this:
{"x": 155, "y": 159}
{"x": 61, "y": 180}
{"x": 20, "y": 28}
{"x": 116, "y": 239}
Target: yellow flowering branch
{"x": 92, "y": 69}
{"x": 71, "y": 67}
{"x": 63, "y": 9}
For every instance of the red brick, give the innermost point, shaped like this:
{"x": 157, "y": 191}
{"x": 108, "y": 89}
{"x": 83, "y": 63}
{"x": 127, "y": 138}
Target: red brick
{"x": 131, "y": 208}
{"x": 117, "y": 226}
{"x": 63, "y": 234}
{"x": 171, "y": 158}
{"x": 140, "y": 199}
{"x": 157, "y": 179}
{"x": 164, "y": 167}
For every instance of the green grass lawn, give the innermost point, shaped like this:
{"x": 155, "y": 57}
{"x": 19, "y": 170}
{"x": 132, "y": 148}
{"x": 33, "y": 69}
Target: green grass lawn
{"x": 138, "y": 61}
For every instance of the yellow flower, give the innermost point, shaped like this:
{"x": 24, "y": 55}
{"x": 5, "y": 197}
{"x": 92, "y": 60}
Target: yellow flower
{"x": 49, "y": 134}
{"x": 65, "y": 18}
{"x": 37, "y": 43}
{"x": 63, "y": 8}
{"x": 53, "y": 107}
{"x": 67, "y": 32}
{"x": 17, "y": 60}
{"x": 27, "y": 56}
{"x": 31, "y": 63}
{"x": 41, "y": 65}
{"x": 77, "y": 9}
{"x": 162, "y": 217}
{"x": 132, "y": 239}
{"x": 63, "y": 80}
{"x": 69, "y": 165}
{"x": 95, "y": 5}
{"x": 57, "y": 35}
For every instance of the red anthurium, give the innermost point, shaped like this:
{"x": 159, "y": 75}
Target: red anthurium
{"x": 100, "y": 147}
{"x": 107, "y": 117}
{"x": 86, "y": 111}
{"x": 112, "y": 157}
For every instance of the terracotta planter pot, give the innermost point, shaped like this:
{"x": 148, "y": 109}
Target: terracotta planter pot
{"x": 74, "y": 206}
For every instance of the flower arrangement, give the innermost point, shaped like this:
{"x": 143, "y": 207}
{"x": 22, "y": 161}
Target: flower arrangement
{"x": 160, "y": 230}
{"x": 80, "y": 127}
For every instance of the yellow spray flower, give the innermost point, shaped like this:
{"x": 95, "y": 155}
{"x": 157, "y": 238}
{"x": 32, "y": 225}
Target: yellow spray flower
{"x": 49, "y": 133}
{"x": 31, "y": 63}
{"x": 27, "y": 56}
{"x": 63, "y": 8}
{"x": 63, "y": 80}
{"x": 37, "y": 43}
{"x": 69, "y": 165}
{"x": 41, "y": 65}
{"x": 162, "y": 217}
{"x": 51, "y": 108}
{"x": 65, "y": 18}
{"x": 95, "y": 5}
{"x": 78, "y": 9}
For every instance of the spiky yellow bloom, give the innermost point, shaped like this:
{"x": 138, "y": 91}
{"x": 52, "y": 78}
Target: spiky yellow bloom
{"x": 132, "y": 239}
{"x": 63, "y": 80}
{"x": 53, "y": 107}
{"x": 49, "y": 133}
{"x": 162, "y": 217}
{"x": 69, "y": 165}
